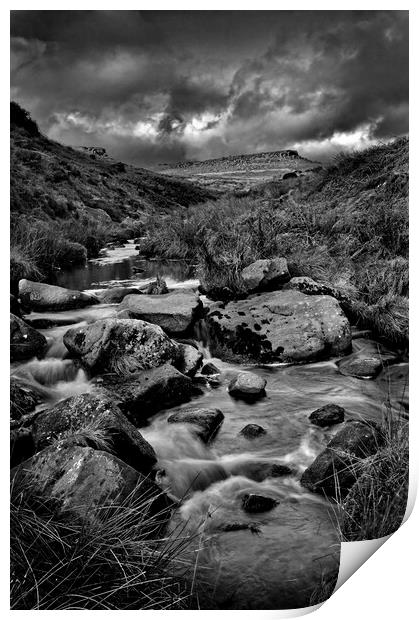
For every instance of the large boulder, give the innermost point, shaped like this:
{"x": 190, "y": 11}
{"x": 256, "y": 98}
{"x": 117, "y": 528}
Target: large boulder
{"x": 247, "y": 386}
{"x": 25, "y": 342}
{"x": 265, "y": 274}
{"x": 116, "y": 294}
{"x": 148, "y": 391}
{"x": 327, "y": 416}
{"x": 281, "y": 326}
{"x": 174, "y": 312}
{"x": 335, "y": 469}
{"x": 122, "y": 346}
{"x": 94, "y": 416}
{"x": 81, "y": 480}
{"x": 361, "y": 367}
{"x": 206, "y": 422}
{"x": 38, "y": 296}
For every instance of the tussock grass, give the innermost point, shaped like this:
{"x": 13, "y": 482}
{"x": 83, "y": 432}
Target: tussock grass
{"x": 106, "y": 562}
{"x": 376, "y": 504}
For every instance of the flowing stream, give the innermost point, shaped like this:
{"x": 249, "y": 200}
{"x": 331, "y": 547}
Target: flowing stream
{"x": 285, "y": 554}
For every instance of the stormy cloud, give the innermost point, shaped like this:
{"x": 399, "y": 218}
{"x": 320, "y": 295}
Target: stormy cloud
{"x": 163, "y": 86}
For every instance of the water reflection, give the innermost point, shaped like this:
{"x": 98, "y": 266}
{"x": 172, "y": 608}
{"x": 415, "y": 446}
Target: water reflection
{"x": 120, "y": 266}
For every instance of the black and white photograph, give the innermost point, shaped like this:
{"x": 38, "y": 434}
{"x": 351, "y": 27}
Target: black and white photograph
{"x": 209, "y": 303}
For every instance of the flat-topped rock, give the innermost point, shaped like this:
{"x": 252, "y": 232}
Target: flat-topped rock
{"x": 38, "y": 296}
{"x": 174, "y": 312}
{"x": 25, "y": 341}
{"x": 94, "y": 413}
{"x": 147, "y": 392}
{"x": 121, "y": 346}
{"x": 206, "y": 422}
{"x": 280, "y": 326}
{"x": 265, "y": 274}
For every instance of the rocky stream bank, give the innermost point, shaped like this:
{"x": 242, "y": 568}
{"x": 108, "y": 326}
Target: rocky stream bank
{"x": 238, "y": 418}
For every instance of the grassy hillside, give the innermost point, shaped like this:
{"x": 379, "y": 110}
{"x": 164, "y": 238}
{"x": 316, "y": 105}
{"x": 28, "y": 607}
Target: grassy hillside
{"x": 347, "y": 227}
{"x": 58, "y": 192}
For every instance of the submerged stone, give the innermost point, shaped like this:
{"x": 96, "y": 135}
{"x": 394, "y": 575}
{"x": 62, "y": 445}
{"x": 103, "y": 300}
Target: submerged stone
{"x": 251, "y": 502}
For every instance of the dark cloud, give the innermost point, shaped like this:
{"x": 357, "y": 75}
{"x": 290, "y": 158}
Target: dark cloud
{"x": 163, "y": 85}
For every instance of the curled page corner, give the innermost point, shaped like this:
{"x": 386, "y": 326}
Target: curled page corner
{"x": 354, "y": 554}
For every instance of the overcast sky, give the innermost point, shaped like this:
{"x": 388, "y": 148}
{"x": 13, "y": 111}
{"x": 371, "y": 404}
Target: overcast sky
{"x": 164, "y": 86}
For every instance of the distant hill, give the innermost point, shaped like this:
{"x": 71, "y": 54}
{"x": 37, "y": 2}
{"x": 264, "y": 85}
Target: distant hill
{"x": 49, "y": 180}
{"x": 241, "y": 173}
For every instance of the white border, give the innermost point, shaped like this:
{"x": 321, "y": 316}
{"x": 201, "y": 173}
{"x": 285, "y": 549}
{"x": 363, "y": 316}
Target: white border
{"x": 386, "y": 585}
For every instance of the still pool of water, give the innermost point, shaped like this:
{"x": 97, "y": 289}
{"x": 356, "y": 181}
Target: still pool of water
{"x": 288, "y": 551}
{"x": 123, "y": 267}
